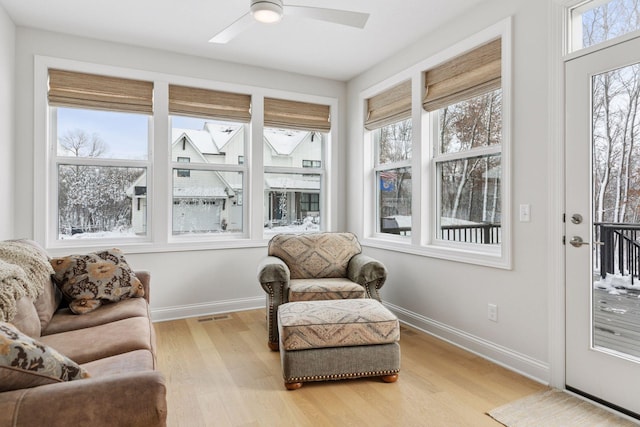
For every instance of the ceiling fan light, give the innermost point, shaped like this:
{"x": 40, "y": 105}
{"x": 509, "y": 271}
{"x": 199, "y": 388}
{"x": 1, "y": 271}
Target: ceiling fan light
{"x": 266, "y": 12}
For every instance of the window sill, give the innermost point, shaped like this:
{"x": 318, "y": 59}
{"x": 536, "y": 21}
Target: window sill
{"x": 153, "y": 247}
{"x": 467, "y": 254}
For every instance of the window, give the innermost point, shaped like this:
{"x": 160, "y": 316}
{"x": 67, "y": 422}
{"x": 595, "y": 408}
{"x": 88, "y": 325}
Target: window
{"x": 596, "y": 21}
{"x": 439, "y": 187}
{"x": 467, "y": 159}
{"x": 389, "y": 120}
{"x": 295, "y": 136}
{"x": 311, "y": 163}
{"x": 184, "y": 173}
{"x": 146, "y": 160}
{"x": 204, "y": 135}
{"x": 100, "y": 171}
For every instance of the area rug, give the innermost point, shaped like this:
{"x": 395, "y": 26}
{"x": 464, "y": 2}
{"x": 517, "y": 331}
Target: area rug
{"x": 555, "y": 408}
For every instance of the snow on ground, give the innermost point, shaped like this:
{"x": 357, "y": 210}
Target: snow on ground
{"x": 616, "y": 284}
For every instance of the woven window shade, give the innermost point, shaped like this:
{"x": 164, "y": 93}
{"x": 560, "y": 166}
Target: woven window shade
{"x": 72, "y": 89}
{"x": 213, "y": 104}
{"x": 469, "y": 75}
{"x": 389, "y": 106}
{"x": 296, "y": 115}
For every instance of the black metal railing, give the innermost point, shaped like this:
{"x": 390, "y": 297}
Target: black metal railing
{"x": 619, "y": 249}
{"x": 487, "y": 233}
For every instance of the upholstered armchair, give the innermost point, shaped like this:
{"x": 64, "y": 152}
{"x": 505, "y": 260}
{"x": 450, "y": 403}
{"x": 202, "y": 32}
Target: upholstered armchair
{"x": 316, "y": 266}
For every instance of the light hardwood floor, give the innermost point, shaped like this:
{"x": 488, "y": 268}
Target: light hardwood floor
{"x": 220, "y": 372}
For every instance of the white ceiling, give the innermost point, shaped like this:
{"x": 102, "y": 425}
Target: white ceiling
{"x": 295, "y": 44}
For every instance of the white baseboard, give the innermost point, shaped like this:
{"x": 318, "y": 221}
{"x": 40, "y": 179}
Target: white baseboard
{"x": 205, "y": 309}
{"x": 512, "y": 360}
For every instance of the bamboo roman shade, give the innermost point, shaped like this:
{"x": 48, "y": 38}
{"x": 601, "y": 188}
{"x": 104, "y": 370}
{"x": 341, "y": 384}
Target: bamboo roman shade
{"x": 466, "y": 76}
{"x": 212, "y": 104}
{"x": 389, "y": 106}
{"x": 296, "y": 115}
{"x": 72, "y": 89}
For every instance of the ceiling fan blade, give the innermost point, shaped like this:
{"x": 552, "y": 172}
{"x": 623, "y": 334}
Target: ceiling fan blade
{"x": 344, "y": 17}
{"x": 241, "y": 24}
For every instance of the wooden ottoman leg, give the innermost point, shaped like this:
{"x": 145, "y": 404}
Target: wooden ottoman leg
{"x": 390, "y": 378}
{"x": 292, "y": 386}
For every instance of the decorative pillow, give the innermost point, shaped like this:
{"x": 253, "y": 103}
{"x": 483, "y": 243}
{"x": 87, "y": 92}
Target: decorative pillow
{"x": 87, "y": 281}
{"x": 24, "y": 362}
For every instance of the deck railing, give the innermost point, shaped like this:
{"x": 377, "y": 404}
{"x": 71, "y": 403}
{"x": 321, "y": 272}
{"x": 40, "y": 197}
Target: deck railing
{"x": 486, "y": 233}
{"x": 618, "y": 249}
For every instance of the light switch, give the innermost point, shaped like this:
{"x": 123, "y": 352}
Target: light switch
{"x": 525, "y": 213}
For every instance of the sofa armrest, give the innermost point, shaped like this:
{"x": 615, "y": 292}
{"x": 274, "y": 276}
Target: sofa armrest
{"x": 274, "y": 275}
{"x": 273, "y": 269}
{"x": 145, "y": 277}
{"x": 368, "y": 272}
{"x": 131, "y": 399}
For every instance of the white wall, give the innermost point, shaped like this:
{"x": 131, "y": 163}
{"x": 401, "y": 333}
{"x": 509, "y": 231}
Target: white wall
{"x": 450, "y": 298}
{"x": 7, "y": 119}
{"x": 184, "y": 283}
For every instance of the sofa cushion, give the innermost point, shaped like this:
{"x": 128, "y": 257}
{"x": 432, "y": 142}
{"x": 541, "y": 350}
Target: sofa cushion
{"x": 88, "y": 280}
{"x": 315, "y": 255}
{"x": 49, "y": 300}
{"x": 25, "y": 362}
{"x": 130, "y": 362}
{"x": 323, "y": 289}
{"x": 65, "y": 320}
{"x": 339, "y": 323}
{"x": 26, "y": 319}
{"x": 89, "y": 344}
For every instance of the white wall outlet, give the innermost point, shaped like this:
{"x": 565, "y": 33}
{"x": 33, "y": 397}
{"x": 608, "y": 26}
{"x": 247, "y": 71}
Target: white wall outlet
{"x": 492, "y": 312}
{"x": 525, "y": 213}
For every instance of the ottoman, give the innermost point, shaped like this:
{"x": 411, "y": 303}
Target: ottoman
{"x": 337, "y": 339}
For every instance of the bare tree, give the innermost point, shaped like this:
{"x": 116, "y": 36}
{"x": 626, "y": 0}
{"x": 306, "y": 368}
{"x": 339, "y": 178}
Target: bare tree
{"x": 79, "y": 143}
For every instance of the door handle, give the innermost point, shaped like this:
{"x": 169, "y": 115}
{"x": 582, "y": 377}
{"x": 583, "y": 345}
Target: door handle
{"x": 577, "y": 241}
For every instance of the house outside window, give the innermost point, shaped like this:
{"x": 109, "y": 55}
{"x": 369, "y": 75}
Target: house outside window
{"x": 213, "y": 138}
{"x": 293, "y": 195}
{"x": 100, "y": 173}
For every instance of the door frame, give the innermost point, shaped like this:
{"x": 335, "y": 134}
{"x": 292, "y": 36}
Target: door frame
{"x": 556, "y": 183}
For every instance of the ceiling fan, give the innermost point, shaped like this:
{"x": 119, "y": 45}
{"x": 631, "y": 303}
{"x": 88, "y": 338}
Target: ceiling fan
{"x": 271, "y": 11}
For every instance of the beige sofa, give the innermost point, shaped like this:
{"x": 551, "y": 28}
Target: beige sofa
{"x": 115, "y": 344}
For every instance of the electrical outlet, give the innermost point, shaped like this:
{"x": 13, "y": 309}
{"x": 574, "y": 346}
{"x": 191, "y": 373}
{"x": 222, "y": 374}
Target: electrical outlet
{"x": 492, "y": 312}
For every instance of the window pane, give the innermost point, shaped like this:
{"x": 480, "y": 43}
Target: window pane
{"x": 207, "y": 202}
{"x": 206, "y": 141}
{"x": 476, "y": 122}
{"x": 604, "y": 22}
{"x": 394, "y": 198}
{"x": 292, "y": 148}
{"x": 292, "y": 202}
{"x": 470, "y": 203}
{"x": 102, "y": 134}
{"x": 101, "y": 202}
{"x": 393, "y": 142}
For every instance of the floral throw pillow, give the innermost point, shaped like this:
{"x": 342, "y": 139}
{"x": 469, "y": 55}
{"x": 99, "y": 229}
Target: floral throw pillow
{"x": 87, "y": 281}
{"x": 24, "y": 362}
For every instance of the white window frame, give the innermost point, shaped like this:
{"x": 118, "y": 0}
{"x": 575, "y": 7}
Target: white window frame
{"x": 381, "y": 167}
{"x": 425, "y": 145}
{"x": 159, "y": 185}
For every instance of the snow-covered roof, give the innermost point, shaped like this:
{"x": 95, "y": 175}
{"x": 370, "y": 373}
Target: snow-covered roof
{"x": 284, "y": 141}
{"x": 201, "y": 139}
{"x": 211, "y": 139}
